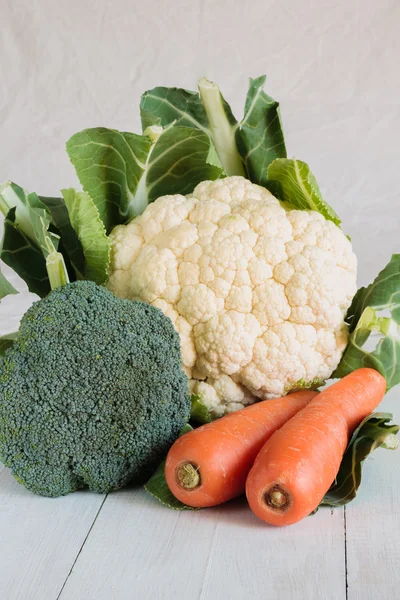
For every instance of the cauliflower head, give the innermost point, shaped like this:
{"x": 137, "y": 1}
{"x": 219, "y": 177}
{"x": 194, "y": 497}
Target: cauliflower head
{"x": 256, "y": 291}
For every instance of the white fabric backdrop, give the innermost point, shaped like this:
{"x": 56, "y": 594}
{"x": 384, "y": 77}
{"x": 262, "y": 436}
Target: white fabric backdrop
{"x": 333, "y": 64}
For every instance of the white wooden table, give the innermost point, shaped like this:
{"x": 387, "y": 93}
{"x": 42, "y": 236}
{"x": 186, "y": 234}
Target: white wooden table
{"x": 128, "y": 546}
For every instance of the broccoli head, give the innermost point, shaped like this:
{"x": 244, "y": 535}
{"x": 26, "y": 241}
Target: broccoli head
{"x": 92, "y": 392}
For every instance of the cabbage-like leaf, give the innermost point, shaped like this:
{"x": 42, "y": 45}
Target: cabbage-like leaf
{"x": 294, "y": 183}
{"x": 89, "y": 228}
{"x": 29, "y": 247}
{"x": 20, "y": 253}
{"x": 260, "y": 137}
{"x": 124, "y": 172}
{"x": 109, "y": 165}
{"x": 373, "y": 432}
{"x": 28, "y": 208}
{"x": 364, "y": 319}
{"x": 382, "y": 294}
{"x": 180, "y": 159}
{"x": 6, "y": 341}
{"x": 69, "y": 245}
{"x": 163, "y": 106}
{"x": 245, "y": 148}
{"x": 207, "y": 111}
{"x": 158, "y": 488}
{"x": 5, "y": 287}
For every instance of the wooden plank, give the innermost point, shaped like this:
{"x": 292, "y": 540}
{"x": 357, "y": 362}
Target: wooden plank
{"x": 40, "y": 539}
{"x": 304, "y": 561}
{"x": 140, "y": 549}
{"x": 373, "y": 523}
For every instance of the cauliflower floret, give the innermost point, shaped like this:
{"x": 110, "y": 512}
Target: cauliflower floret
{"x": 257, "y": 292}
{"x": 222, "y": 395}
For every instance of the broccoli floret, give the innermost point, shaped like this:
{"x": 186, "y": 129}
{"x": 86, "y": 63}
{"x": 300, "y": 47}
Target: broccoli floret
{"x": 92, "y": 392}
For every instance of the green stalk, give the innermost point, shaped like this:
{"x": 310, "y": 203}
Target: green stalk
{"x": 222, "y": 129}
{"x": 56, "y": 270}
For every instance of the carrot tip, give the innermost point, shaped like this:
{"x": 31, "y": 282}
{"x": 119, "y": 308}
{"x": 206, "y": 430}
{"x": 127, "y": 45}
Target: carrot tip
{"x": 277, "y": 498}
{"x": 188, "y": 476}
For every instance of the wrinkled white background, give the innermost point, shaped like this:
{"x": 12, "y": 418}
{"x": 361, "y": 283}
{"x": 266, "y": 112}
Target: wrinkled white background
{"x": 333, "y": 65}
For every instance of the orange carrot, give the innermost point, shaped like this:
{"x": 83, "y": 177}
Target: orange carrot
{"x": 298, "y": 464}
{"x": 209, "y": 465}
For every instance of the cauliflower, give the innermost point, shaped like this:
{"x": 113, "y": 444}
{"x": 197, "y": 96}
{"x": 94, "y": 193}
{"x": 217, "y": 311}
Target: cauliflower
{"x": 257, "y": 292}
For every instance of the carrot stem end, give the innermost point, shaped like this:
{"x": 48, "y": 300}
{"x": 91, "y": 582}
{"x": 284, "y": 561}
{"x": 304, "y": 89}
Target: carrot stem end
{"x": 188, "y": 476}
{"x": 277, "y": 498}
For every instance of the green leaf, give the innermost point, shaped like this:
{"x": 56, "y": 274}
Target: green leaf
{"x": 164, "y": 106}
{"x": 206, "y": 111}
{"x": 6, "y": 341}
{"x": 109, "y": 165}
{"x": 21, "y": 254}
{"x": 29, "y": 247}
{"x": 373, "y": 432}
{"x": 246, "y": 148}
{"x": 363, "y": 318}
{"x": 199, "y": 411}
{"x": 382, "y": 294}
{"x": 5, "y": 287}
{"x": 295, "y": 184}
{"x": 260, "y": 137}
{"x": 148, "y": 119}
{"x": 157, "y": 485}
{"x": 85, "y": 220}
{"x": 14, "y": 196}
{"x": 124, "y": 172}
{"x": 177, "y": 163}
{"x": 69, "y": 245}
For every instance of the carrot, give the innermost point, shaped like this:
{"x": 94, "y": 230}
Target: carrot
{"x": 209, "y": 465}
{"x": 298, "y": 464}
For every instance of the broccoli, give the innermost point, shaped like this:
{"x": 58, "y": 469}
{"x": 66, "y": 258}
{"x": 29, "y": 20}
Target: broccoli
{"x": 92, "y": 392}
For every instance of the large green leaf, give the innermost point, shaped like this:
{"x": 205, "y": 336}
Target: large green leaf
{"x": 89, "y": 228}
{"x": 5, "y": 287}
{"x": 163, "y": 106}
{"x": 157, "y": 485}
{"x": 206, "y": 111}
{"x": 29, "y": 246}
{"x": 295, "y": 184}
{"x": 70, "y": 244}
{"x": 260, "y": 137}
{"x": 373, "y": 432}
{"x": 124, "y": 172}
{"x": 364, "y": 319}
{"x": 180, "y": 159}
{"x": 6, "y": 341}
{"x": 28, "y": 208}
{"x": 246, "y": 148}
{"x": 20, "y": 253}
{"x": 382, "y": 294}
{"x": 109, "y": 165}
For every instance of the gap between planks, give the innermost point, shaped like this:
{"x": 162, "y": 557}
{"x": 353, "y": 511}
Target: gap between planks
{"x": 81, "y": 548}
